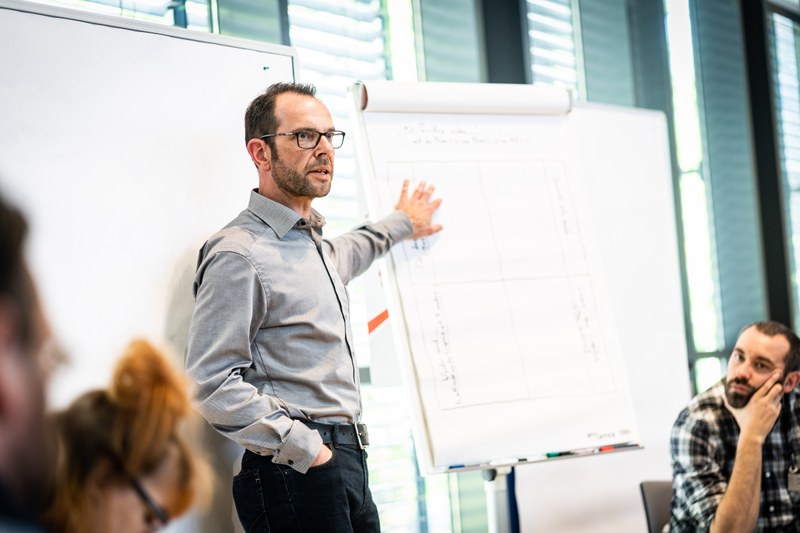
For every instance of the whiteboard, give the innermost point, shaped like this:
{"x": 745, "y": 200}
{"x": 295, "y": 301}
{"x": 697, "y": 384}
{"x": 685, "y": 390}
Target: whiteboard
{"x": 506, "y": 320}
{"x": 123, "y": 142}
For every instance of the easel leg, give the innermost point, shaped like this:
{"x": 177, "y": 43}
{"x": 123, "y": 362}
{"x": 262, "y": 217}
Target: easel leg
{"x": 497, "y": 508}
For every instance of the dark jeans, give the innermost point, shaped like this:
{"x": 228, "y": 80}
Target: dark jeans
{"x": 333, "y": 497}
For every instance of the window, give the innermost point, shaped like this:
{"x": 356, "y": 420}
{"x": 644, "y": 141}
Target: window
{"x": 695, "y": 202}
{"x": 785, "y": 31}
{"x": 192, "y": 14}
{"x": 551, "y": 43}
{"x": 719, "y": 202}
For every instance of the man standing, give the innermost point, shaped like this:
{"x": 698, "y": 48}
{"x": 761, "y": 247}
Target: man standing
{"x": 24, "y": 450}
{"x": 270, "y": 344}
{"x": 735, "y": 448}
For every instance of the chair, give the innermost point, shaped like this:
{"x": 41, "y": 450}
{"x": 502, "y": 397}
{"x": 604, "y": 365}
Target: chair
{"x": 656, "y": 496}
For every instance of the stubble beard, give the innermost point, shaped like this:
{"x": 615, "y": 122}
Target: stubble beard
{"x": 296, "y": 183}
{"x": 737, "y": 400}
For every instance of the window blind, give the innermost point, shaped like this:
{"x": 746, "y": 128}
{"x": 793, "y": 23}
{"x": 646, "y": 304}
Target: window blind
{"x": 551, "y": 43}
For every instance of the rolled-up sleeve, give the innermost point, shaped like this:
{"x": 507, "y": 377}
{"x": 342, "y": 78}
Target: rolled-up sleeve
{"x": 230, "y": 305}
{"x": 698, "y": 481}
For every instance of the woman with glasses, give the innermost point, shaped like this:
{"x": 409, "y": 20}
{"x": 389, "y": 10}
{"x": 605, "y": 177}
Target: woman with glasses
{"x": 122, "y": 465}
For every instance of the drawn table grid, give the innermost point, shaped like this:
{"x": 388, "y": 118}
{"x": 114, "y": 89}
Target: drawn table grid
{"x": 524, "y": 277}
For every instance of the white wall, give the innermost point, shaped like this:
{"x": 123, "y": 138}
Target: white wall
{"x": 124, "y": 145}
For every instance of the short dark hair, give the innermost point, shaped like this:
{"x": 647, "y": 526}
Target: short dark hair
{"x": 259, "y": 119}
{"x": 16, "y": 284}
{"x": 771, "y": 328}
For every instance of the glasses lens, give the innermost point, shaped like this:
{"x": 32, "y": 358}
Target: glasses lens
{"x": 307, "y": 139}
{"x": 336, "y": 138}
{"x": 310, "y": 138}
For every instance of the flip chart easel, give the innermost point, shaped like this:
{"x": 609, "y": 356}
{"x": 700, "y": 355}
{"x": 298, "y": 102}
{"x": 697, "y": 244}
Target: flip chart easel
{"x": 503, "y": 321}
{"x": 498, "y": 511}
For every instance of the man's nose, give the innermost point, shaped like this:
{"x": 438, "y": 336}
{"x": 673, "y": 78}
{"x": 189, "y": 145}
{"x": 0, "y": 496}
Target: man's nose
{"x": 324, "y": 146}
{"x": 744, "y": 371}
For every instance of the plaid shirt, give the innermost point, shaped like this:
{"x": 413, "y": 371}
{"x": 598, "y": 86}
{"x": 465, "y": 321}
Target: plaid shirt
{"x": 703, "y": 448}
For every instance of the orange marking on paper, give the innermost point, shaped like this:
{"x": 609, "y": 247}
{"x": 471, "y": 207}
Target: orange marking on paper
{"x": 377, "y": 321}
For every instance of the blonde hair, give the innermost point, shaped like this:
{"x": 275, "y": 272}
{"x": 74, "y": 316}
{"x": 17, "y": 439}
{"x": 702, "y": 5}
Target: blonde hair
{"x": 132, "y": 426}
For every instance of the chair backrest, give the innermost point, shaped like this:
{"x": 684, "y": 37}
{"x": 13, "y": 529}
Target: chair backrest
{"x": 656, "y": 496}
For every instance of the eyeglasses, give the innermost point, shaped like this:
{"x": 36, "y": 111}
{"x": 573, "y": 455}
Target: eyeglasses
{"x": 309, "y": 139}
{"x": 157, "y": 513}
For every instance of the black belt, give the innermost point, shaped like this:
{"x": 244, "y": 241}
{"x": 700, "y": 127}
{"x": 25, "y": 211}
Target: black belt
{"x": 355, "y": 434}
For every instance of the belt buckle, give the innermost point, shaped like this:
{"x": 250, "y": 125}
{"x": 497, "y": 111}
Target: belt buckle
{"x": 358, "y": 437}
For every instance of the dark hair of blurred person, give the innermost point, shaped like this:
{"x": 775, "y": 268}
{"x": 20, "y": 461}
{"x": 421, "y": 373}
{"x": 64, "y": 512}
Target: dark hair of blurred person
{"x": 23, "y": 336}
{"x": 122, "y": 463}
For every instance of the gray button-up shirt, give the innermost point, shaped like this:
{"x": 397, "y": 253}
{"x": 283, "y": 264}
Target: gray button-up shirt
{"x": 270, "y": 340}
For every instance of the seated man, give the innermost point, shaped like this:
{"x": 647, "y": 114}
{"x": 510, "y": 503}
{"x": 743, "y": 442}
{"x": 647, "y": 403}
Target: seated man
{"x": 735, "y": 448}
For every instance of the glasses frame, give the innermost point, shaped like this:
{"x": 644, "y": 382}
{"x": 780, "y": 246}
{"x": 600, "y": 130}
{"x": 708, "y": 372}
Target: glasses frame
{"x": 330, "y": 135}
{"x": 158, "y": 512}
{"x": 154, "y": 508}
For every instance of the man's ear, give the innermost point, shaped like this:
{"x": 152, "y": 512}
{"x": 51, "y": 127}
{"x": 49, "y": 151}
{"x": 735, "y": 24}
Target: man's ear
{"x": 790, "y": 381}
{"x": 260, "y": 153}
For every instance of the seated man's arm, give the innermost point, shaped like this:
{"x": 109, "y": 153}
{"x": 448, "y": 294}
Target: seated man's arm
{"x": 697, "y": 468}
{"x": 738, "y": 509}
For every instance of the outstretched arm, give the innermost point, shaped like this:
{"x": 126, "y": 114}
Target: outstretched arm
{"x": 353, "y": 252}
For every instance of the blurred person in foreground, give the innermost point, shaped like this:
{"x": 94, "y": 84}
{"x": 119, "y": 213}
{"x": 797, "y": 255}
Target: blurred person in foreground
{"x": 24, "y": 342}
{"x": 123, "y": 465}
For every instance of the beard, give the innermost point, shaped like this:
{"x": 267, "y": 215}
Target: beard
{"x": 296, "y": 183}
{"x": 738, "y": 400}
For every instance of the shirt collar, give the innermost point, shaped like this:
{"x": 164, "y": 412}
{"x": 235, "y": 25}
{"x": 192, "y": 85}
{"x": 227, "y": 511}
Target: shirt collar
{"x": 279, "y": 217}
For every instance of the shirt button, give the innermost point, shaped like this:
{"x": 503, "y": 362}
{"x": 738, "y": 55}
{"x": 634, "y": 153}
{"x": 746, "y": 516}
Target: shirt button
{"x": 292, "y": 462}
{"x": 767, "y": 475}
{"x": 771, "y": 508}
